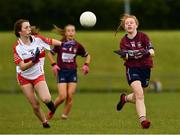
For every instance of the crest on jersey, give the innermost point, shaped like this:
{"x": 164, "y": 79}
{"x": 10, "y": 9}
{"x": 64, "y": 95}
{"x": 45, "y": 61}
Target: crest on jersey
{"x": 139, "y": 44}
{"x": 133, "y": 44}
{"x": 25, "y": 53}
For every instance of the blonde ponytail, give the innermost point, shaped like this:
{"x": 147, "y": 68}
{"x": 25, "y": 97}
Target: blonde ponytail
{"x": 58, "y": 30}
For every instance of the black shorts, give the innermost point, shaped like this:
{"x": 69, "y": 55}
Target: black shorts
{"x": 67, "y": 76}
{"x": 142, "y": 74}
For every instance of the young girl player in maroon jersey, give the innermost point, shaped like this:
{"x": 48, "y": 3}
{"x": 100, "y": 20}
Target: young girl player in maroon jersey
{"x": 65, "y": 69}
{"x": 137, "y": 51}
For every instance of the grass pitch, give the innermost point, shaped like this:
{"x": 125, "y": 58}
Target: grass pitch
{"x": 93, "y": 113}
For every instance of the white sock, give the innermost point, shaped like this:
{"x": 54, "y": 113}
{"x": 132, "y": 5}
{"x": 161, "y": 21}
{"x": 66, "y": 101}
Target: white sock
{"x": 142, "y": 118}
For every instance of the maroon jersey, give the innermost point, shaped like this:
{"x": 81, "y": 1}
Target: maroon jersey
{"x": 140, "y": 41}
{"x": 66, "y": 55}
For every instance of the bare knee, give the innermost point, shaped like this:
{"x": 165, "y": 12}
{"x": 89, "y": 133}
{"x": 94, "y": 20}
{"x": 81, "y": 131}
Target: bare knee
{"x": 46, "y": 99}
{"x": 69, "y": 99}
{"x": 139, "y": 96}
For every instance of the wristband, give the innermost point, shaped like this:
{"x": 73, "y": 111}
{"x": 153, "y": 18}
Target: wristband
{"x": 53, "y": 64}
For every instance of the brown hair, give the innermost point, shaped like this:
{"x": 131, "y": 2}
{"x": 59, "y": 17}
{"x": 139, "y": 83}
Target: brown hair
{"x": 122, "y": 21}
{"x": 18, "y": 26}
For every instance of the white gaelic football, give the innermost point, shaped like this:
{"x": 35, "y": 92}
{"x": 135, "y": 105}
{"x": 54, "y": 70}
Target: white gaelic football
{"x": 88, "y": 19}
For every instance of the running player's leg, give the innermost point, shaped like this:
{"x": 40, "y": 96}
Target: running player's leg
{"x": 140, "y": 106}
{"x": 132, "y": 75}
{"x": 44, "y": 94}
{"x": 68, "y": 105}
{"x": 29, "y": 93}
{"x": 139, "y": 95}
{"x": 62, "y": 94}
{"x": 62, "y": 87}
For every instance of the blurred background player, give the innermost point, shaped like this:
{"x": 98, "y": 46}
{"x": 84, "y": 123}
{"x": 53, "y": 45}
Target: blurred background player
{"x": 137, "y": 51}
{"x": 66, "y": 68}
{"x": 29, "y": 54}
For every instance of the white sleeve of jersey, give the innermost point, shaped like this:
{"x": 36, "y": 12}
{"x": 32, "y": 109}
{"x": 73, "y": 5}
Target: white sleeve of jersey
{"x": 44, "y": 45}
{"x": 19, "y": 52}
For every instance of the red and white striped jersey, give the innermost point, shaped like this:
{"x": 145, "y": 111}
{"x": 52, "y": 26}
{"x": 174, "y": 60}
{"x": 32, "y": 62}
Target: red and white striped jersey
{"x": 23, "y": 52}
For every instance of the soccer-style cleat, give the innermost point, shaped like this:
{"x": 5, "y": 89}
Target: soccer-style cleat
{"x": 145, "y": 124}
{"x": 64, "y": 117}
{"x": 50, "y": 115}
{"x": 46, "y": 125}
{"x": 121, "y": 102}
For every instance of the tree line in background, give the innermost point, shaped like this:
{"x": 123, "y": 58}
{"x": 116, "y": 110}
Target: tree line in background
{"x": 152, "y": 14}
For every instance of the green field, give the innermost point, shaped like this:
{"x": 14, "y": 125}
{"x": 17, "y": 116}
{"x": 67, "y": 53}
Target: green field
{"x": 93, "y": 113}
{"x": 106, "y": 69}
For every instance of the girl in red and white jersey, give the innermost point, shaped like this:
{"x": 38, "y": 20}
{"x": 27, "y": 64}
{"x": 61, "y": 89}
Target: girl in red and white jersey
{"x": 29, "y": 54}
{"x": 66, "y": 68}
{"x": 137, "y": 51}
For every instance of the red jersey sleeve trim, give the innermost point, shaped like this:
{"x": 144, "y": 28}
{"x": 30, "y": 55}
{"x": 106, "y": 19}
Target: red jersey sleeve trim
{"x": 17, "y": 59}
{"x": 46, "y": 40}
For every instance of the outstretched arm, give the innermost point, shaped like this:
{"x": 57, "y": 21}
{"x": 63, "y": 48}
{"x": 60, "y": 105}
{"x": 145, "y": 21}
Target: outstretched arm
{"x": 56, "y": 42}
{"x": 55, "y": 67}
{"x": 50, "y": 41}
